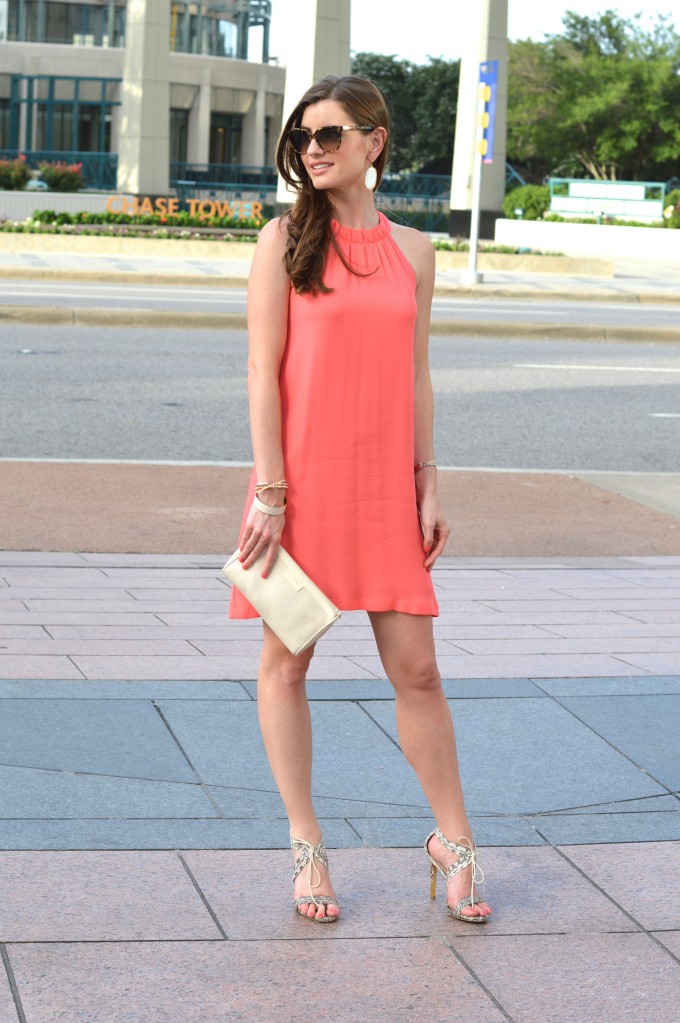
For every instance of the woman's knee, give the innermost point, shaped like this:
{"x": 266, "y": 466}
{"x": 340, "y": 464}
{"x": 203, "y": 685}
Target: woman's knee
{"x": 421, "y": 676}
{"x": 285, "y": 669}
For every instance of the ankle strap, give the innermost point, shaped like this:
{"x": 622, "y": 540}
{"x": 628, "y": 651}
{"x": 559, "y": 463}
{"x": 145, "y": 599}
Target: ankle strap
{"x": 466, "y": 850}
{"x": 309, "y": 854}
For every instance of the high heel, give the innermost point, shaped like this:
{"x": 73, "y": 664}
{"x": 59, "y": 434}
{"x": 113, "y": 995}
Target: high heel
{"x": 467, "y": 856}
{"x": 309, "y": 854}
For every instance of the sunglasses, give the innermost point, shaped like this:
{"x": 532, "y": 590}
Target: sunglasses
{"x": 328, "y": 139}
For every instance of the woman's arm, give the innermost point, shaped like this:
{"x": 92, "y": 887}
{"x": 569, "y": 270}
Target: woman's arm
{"x": 268, "y": 295}
{"x": 420, "y": 254}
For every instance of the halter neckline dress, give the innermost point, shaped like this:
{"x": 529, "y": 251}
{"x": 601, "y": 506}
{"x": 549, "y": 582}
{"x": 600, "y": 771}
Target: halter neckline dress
{"x": 347, "y": 404}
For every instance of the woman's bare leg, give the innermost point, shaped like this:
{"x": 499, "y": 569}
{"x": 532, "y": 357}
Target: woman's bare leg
{"x": 286, "y": 727}
{"x": 406, "y": 647}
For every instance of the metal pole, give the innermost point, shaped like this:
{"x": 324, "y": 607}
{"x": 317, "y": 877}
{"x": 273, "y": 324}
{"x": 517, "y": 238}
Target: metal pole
{"x": 471, "y": 275}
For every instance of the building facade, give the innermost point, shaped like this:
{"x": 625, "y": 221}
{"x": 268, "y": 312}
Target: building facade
{"x": 61, "y": 78}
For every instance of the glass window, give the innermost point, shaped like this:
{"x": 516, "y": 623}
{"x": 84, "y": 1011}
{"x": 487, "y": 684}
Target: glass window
{"x": 55, "y": 126}
{"x": 225, "y": 138}
{"x": 4, "y": 124}
{"x": 179, "y": 130}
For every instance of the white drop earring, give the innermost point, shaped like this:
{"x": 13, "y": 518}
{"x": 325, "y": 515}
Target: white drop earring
{"x": 371, "y": 178}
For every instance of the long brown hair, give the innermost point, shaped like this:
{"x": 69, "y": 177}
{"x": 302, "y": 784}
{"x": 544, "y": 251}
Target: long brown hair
{"x": 309, "y": 222}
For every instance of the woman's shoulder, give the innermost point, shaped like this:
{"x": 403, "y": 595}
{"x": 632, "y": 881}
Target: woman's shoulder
{"x": 416, "y": 246}
{"x": 274, "y": 233}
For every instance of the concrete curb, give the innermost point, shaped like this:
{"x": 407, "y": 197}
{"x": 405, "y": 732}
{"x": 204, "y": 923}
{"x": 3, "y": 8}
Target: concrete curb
{"x": 103, "y": 317}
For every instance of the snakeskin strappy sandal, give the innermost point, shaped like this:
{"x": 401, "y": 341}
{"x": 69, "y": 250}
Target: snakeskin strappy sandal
{"x": 309, "y": 855}
{"x": 467, "y": 856}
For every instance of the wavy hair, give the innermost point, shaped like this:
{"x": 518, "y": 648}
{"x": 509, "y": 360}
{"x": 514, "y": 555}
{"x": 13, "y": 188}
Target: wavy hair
{"x": 309, "y": 221}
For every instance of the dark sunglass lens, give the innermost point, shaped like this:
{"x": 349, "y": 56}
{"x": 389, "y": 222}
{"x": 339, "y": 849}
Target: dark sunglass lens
{"x": 299, "y": 139}
{"x": 329, "y": 138}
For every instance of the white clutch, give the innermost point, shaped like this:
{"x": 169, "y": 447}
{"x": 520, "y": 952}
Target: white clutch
{"x": 288, "y": 601}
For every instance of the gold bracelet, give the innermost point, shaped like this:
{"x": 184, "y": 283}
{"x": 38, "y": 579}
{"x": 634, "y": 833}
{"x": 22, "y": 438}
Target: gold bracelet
{"x": 279, "y": 485}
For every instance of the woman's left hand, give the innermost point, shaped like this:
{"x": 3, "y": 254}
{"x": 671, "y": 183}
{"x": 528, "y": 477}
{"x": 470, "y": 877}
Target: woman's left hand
{"x": 435, "y": 529}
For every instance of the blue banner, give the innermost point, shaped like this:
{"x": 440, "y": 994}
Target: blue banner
{"x": 488, "y": 75}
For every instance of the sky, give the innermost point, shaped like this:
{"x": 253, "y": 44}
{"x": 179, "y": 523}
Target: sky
{"x": 414, "y": 31}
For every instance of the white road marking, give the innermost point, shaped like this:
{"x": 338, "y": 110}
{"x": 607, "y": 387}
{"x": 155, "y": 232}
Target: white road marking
{"x": 248, "y": 465}
{"x": 599, "y": 369}
{"x": 131, "y": 297}
{"x": 664, "y": 415}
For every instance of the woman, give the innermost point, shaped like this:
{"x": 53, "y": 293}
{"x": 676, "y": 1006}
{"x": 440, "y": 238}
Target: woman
{"x": 341, "y": 415}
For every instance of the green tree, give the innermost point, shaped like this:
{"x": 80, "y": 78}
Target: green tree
{"x": 394, "y": 78}
{"x": 603, "y": 99}
{"x": 422, "y": 101}
{"x": 436, "y": 86}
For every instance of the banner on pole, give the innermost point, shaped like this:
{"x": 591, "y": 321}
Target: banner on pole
{"x": 488, "y": 80}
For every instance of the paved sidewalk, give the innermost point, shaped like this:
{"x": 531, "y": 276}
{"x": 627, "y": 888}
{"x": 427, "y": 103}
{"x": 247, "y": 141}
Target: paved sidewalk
{"x": 143, "y": 873}
{"x": 651, "y": 281}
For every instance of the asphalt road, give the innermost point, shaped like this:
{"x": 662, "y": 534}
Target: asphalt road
{"x": 186, "y": 298}
{"x": 114, "y": 393}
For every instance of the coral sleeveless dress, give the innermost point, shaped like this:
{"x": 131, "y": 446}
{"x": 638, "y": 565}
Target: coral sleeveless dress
{"x": 347, "y": 396}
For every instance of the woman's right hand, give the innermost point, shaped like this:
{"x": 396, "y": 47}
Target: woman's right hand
{"x": 261, "y": 530}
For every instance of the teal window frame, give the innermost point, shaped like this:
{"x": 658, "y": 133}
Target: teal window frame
{"x": 49, "y": 105}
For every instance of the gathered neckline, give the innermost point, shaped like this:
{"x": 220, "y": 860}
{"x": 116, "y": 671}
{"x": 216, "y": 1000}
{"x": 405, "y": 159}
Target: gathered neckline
{"x": 356, "y": 234}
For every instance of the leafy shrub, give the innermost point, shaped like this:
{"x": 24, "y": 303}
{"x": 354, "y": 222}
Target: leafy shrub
{"x": 181, "y": 219}
{"x": 672, "y": 201}
{"x": 14, "y": 174}
{"x": 534, "y": 200}
{"x": 62, "y": 177}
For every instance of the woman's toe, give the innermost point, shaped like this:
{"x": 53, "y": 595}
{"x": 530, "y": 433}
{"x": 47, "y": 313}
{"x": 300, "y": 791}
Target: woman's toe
{"x": 480, "y": 909}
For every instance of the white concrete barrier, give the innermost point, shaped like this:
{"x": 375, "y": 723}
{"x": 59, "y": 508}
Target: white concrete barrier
{"x": 590, "y": 239}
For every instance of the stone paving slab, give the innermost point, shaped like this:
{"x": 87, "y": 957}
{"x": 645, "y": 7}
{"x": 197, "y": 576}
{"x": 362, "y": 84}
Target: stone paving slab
{"x": 382, "y": 690}
{"x": 615, "y": 630}
{"x": 260, "y": 803}
{"x": 406, "y": 832}
{"x": 29, "y": 667}
{"x": 103, "y": 834}
{"x": 355, "y": 761}
{"x": 491, "y": 612}
{"x": 126, "y": 739}
{"x": 235, "y": 667}
{"x": 528, "y": 665}
{"x": 611, "y": 686}
{"x": 650, "y": 826}
{"x": 559, "y": 898}
{"x": 646, "y": 728}
{"x": 566, "y": 785}
{"x": 26, "y": 793}
{"x": 648, "y": 803}
{"x": 130, "y": 647}
{"x": 221, "y": 982}
{"x": 548, "y": 646}
{"x": 103, "y": 896}
{"x": 78, "y": 618}
{"x": 122, "y": 689}
{"x": 8, "y": 1013}
{"x": 544, "y": 758}
{"x": 619, "y": 870}
{"x": 671, "y": 940}
{"x": 655, "y": 664}
{"x": 579, "y": 978}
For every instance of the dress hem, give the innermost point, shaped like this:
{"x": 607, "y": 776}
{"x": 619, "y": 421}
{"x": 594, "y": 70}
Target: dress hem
{"x": 358, "y": 607}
